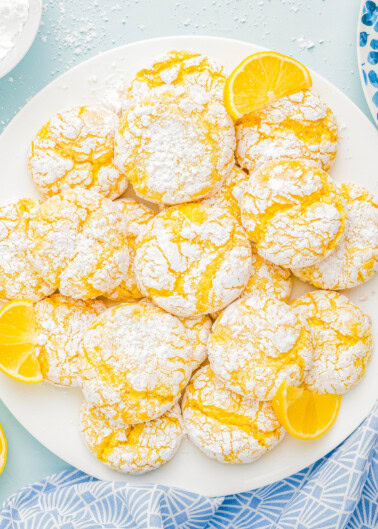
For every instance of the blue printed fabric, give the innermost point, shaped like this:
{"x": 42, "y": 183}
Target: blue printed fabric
{"x": 338, "y": 491}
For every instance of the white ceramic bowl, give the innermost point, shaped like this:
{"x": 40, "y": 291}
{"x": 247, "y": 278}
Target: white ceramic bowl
{"x": 24, "y": 39}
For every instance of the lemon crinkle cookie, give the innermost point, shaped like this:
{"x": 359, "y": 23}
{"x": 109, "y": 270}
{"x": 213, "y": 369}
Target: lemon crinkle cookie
{"x": 180, "y": 68}
{"x": 132, "y": 449}
{"x": 175, "y": 144}
{"x": 342, "y": 339}
{"x": 136, "y": 360}
{"x": 60, "y": 326}
{"x": 79, "y": 244}
{"x": 268, "y": 279}
{"x": 18, "y": 276}
{"x": 198, "y": 331}
{"x": 75, "y": 148}
{"x": 137, "y": 217}
{"x": 293, "y": 212}
{"x": 230, "y": 193}
{"x": 226, "y": 426}
{"x": 194, "y": 259}
{"x": 355, "y": 259}
{"x": 256, "y": 344}
{"x": 297, "y": 126}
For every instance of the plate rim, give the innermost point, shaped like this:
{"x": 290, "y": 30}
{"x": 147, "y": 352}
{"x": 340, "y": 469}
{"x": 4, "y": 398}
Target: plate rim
{"x": 176, "y": 42}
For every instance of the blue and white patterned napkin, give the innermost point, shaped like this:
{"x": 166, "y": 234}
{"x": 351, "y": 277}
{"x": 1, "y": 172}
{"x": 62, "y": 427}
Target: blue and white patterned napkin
{"x": 338, "y": 491}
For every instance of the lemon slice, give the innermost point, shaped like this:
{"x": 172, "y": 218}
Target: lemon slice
{"x": 17, "y": 358}
{"x": 261, "y": 79}
{"x": 303, "y": 413}
{"x": 3, "y": 449}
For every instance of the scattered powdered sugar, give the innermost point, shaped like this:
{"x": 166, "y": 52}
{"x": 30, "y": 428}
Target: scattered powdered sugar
{"x": 75, "y": 148}
{"x": 136, "y": 360}
{"x": 60, "y": 326}
{"x": 354, "y": 261}
{"x": 132, "y": 449}
{"x": 78, "y": 243}
{"x": 304, "y": 44}
{"x": 175, "y": 144}
{"x": 18, "y": 277}
{"x": 226, "y": 426}
{"x": 293, "y": 5}
{"x": 293, "y": 212}
{"x": 342, "y": 339}
{"x": 256, "y": 344}
{"x": 13, "y": 15}
{"x": 297, "y": 126}
{"x": 195, "y": 259}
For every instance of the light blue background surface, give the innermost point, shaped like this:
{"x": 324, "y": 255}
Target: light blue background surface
{"x": 74, "y": 30}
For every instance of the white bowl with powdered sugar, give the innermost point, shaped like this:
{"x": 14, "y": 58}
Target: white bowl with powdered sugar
{"x": 19, "y": 23}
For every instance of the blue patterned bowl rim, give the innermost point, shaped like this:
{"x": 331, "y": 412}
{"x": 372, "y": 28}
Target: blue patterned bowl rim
{"x": 367, "y": 53}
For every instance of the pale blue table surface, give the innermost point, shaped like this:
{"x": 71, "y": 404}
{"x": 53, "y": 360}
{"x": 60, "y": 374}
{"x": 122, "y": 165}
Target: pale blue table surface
{"x": 74, "y": 30}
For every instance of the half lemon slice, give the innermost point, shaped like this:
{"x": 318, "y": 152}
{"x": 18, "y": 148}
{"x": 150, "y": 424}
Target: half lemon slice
{"x": 303, "y": 413}
{"x": 262, "y": 79}
{"x": 17, "y": 328}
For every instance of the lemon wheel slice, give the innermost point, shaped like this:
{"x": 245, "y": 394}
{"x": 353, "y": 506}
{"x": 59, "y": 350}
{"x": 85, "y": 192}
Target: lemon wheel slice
{"x": 17, "y": 358}
{"x": 303, "y": 413}
{"x": 3, "y": 449}
{"x": 261, "y": 79}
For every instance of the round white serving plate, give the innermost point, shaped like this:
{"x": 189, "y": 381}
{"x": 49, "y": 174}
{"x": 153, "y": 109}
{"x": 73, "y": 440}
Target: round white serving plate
{"x": 24, "y": 40}
{"x": 51, "y": 414}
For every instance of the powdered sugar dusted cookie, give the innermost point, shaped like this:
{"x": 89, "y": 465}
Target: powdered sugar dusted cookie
{"x": 297, "y": 126}
{"x": 293, "y": 212}
{"x": 175, "y": 144}
{"x": 226, "y": 426}
{"x": 79, "y": 244}
{"x": 198, "y": 329}
{"x": 137, "y": 217}
{"x": 230, "y": 193}
{"x": 60, "y": 326}
{"x": 256, "y": 344}
{"x": 75, "y": 148}
{"x": 343, "y": 344}
{"x": 132, "y": 449}
{"x": 180, "y": 68}
{"x": 193, "y": 260}
{"x": 18, "y": 277}
{"x": 136, "y": 360}
{"x": 355, "y": 259}
{"x": 269, "y": 279}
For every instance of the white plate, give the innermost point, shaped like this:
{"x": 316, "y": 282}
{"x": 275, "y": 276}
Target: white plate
{"x": 24, "y": 40}
{"x": 51, "y": 414}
